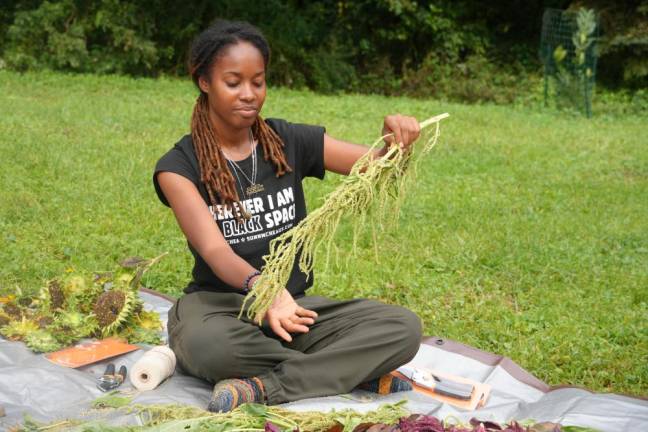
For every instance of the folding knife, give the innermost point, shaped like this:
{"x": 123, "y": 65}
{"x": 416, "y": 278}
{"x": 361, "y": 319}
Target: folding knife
{"x": 442, "y": 386}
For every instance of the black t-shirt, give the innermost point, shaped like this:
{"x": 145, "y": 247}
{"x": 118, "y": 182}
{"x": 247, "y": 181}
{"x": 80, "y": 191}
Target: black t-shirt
{"x": 279, "y": 207}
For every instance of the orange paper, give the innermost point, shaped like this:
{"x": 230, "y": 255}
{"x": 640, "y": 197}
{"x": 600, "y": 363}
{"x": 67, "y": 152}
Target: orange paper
{"x": 480, "y": 393}
{"x": 90, "y": 352}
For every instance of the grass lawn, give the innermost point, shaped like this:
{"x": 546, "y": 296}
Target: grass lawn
{"x": 526, "y": 233}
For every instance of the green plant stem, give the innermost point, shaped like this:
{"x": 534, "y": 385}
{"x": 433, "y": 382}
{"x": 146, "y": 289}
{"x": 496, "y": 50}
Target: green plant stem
{"x": 370, "y": 184}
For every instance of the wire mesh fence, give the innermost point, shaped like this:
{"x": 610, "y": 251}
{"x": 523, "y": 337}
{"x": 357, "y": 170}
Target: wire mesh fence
{"x": 568, "y": 49}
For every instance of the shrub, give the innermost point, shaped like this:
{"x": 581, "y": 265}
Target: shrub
{"x": 105, "y": 36}
{"x": 470, "y": 51}
{"x": 624, "y": 43}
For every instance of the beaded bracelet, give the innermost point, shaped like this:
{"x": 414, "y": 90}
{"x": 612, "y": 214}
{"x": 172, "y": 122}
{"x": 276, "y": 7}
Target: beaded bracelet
{"x": 246, "y": 284}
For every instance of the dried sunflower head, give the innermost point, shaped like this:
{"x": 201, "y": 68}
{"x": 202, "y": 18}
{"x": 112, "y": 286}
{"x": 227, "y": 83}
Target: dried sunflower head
{"x": 42, "y": 341}
{"x": 18, "y": 330}
{"x": 56, "y": 295}
{"x": 113, "y": 308}
{"x": 4, "y": 319}
{"x": 13, "y": 310}
{"x": 108, "y": 306}
{"x": 25, "y": 300}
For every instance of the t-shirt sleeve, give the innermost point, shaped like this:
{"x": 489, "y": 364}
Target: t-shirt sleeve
{"x": 175, "y": 161}
{"x": 308, "y": 141}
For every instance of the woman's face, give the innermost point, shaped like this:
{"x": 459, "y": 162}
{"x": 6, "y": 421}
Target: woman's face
{"x": 236, "y": 86}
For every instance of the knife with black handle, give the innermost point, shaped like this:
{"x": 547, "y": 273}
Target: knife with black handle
{"x": 442, "y": 386}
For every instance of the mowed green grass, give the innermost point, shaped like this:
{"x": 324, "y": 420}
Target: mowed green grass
{"x": 525, "y": 233}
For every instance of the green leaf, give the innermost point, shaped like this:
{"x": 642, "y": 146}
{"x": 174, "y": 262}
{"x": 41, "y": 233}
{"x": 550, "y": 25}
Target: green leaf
{"x": 177, "y": 425}
{"x": 577, "y": 429}
{"x": 111, "y": 400}
{"x": 254, "y": 409}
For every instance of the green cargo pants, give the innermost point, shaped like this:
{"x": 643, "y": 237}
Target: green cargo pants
{"x": 351, "y": 342}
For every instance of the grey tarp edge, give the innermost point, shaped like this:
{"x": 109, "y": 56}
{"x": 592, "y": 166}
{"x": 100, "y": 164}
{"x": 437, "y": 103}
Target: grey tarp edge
{"x": 31, "y": 384}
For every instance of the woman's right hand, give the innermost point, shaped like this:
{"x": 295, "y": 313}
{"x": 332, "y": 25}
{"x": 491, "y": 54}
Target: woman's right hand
{"x": 285, "y": 316}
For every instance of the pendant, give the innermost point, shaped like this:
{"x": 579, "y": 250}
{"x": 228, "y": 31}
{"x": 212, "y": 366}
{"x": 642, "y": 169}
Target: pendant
{"x": 254, "y": 188}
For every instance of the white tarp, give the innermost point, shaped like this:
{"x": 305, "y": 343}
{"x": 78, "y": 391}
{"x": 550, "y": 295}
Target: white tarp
{"x": 31, "y": 384}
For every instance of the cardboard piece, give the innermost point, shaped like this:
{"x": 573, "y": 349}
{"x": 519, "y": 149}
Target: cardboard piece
{"x": 90, "y": 352}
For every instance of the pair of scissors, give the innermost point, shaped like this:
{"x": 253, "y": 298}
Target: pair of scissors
{"x": 111, "y": 380}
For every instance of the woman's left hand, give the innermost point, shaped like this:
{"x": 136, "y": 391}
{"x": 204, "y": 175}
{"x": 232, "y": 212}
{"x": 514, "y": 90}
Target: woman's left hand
{"x": 285, "y": 316}
{"x": 405, "y": 130}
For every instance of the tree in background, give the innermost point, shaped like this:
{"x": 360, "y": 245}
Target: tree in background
{"x": 106, "y": 36}
{"x": 465, "y": 49}
{"x": 624, "y": 42}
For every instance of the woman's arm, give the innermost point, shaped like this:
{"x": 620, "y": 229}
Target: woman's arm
{"x": 339, "y": 156}
{"x": 196, "y": 222}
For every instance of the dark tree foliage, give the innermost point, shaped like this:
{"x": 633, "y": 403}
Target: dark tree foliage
{"x": 624, "y": 44}
{"x": 460, "y": 49}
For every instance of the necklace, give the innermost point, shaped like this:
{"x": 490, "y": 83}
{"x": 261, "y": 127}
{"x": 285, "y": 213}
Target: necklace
{"x": 239, "y": 182}
{"x": 254, "y": 186}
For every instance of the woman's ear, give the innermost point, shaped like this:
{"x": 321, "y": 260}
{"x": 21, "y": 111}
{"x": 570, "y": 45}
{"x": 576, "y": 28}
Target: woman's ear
{"x": 203, "y": 84}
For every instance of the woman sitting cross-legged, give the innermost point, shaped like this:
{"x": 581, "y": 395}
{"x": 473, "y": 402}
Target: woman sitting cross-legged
{"x": 234, "y": 184}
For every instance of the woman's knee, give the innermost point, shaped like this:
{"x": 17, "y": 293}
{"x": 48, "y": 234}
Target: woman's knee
{"x": 205, "y": 352}
{"x": 410, "y": 331}
{"x": 413, "y": 332}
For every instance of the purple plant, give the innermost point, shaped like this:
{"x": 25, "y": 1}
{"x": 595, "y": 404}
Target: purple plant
{"x": 421, "y": 423}
{"x": 427, "y": 423}
{"x": 270, "y": 427}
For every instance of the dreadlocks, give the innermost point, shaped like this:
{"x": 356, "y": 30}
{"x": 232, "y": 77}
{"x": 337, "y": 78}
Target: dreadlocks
{"x": 214, "y": 173}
